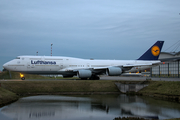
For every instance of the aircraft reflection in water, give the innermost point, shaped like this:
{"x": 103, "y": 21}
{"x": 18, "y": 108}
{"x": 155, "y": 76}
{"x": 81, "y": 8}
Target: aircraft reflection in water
{"x": 92, "y": 107}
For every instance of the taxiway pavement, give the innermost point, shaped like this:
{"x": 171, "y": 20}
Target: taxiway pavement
{"x": 120, "y": 78}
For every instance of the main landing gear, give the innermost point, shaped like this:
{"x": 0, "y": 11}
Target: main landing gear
{"x": 94, "y": 77}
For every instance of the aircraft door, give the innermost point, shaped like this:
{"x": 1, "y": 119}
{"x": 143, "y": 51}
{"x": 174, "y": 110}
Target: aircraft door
{"x": 43, "y": 66}
{"x": 88, "y": 65}
{"x": 28, "y": 65}
{"x": 61, "y": 66}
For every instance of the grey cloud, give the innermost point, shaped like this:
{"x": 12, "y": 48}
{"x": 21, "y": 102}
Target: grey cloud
{"x": 102, "y": 29}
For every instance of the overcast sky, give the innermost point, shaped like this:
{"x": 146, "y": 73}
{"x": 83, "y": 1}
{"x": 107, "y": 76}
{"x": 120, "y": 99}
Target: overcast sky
{"x": 100, "y": 29}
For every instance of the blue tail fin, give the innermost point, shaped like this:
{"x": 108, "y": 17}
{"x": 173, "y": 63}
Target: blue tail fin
{"x": 153, "y": 52}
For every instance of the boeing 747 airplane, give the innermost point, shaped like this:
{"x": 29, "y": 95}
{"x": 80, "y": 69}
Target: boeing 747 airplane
{"x": 83, "y": 68}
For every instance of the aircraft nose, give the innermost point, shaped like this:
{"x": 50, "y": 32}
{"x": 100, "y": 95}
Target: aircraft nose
{"x": 5, "y": 65}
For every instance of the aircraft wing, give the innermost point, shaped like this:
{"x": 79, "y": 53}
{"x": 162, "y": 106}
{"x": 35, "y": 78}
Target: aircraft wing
{"x": 116, "y": 70}
{"x": 102, "y": 68}
{"x": 137, "y": 65}
{"x": 124, "y": 66}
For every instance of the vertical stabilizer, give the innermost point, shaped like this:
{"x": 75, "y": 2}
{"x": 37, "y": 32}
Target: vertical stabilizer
{"x": 153, "y": 52}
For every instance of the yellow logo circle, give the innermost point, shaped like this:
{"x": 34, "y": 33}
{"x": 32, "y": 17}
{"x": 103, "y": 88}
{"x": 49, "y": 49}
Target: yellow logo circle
{"x": 155, "y": 50}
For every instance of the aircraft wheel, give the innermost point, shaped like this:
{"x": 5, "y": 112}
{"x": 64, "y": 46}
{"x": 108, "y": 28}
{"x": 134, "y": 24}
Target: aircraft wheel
{"x": 23, "y": 78}
{"x": 97, "y": 78}
{"x": 94, "y": 78}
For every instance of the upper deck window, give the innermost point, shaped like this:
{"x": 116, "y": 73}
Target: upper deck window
{"x": 17, "y": 57}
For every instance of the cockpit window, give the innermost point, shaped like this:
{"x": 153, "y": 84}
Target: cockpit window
{"x": 17, "y": 57}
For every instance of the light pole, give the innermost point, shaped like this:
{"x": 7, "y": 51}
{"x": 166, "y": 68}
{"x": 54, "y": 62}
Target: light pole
{"x": 51, "y": 49}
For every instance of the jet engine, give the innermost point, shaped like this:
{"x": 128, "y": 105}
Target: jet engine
{"x": 84, "y": 73}
{"x": 114, "y": 71}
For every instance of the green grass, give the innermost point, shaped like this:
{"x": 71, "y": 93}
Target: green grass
{"x": 16, "y": 75}
{"x": 7, "y": 97}
{"x": 4, "y": 75}
{"x": 163, "y": 88}
{"x": 169, "y": 90}
{"x": 55, "y": 87}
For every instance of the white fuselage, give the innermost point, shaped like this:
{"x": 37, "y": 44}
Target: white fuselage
{"x": 83, "y": 68}
{"x": 63, "y": 65}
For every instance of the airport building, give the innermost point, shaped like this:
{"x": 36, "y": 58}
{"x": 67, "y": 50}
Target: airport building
{"x": 170, "y": 66}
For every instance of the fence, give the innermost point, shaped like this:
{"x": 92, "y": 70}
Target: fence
{"x": 169, "y": 69}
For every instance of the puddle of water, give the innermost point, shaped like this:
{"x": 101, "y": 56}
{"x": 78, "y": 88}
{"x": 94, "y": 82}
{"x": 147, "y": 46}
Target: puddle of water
{"x": 93, "y": 107}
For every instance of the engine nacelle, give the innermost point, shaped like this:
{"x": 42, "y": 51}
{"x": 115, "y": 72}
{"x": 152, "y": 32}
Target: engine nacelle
{"x": 114, "y": 71}
{"x": 84, "y": 73}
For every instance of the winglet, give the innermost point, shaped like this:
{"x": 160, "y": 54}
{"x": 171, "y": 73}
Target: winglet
{"x": 153, "y": 52}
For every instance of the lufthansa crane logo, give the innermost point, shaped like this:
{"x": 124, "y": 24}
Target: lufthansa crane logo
{"x": 155, "y": 50}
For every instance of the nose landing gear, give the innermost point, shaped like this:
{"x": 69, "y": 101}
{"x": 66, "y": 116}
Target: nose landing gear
{"x": 22, "y": 76}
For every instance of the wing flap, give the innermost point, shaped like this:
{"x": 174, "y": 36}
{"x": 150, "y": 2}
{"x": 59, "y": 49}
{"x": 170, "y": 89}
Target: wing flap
{"x": 136, "y": 65}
